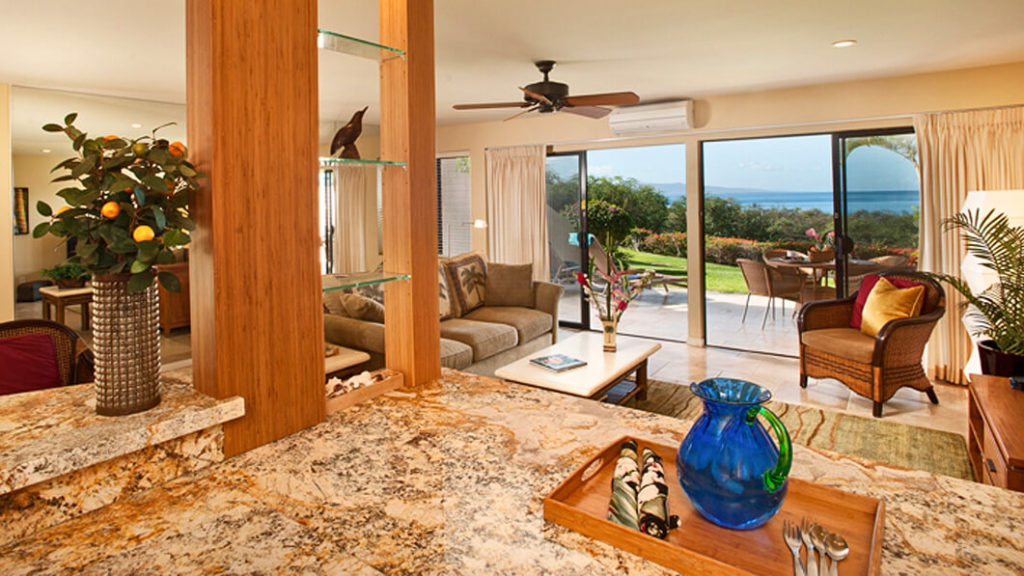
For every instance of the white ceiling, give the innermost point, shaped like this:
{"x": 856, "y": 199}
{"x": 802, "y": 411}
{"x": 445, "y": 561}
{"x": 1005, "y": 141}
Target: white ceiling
{"x": 659, "y": 49}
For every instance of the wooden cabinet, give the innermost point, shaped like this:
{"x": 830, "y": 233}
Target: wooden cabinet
{"x": 174, "y": 306}
{"x": 995, "y": 433}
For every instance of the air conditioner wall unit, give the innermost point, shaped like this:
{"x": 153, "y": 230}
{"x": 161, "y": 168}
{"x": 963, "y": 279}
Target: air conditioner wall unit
{"x": 661, "y": 117}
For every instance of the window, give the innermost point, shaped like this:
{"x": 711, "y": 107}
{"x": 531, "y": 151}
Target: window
{"x": 454, "y": 203}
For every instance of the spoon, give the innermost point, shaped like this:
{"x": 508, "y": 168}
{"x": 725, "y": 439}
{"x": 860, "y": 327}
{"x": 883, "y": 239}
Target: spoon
{"x": 818, "y": 535}
{"x": 837, "y": 549}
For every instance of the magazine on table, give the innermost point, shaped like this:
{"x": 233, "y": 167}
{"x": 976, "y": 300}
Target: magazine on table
{"x": 557, "y": 362}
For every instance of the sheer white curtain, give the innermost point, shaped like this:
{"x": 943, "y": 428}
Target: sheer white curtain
{"x": 517, "y": 207}
{"x": 960, "y": 151}
{"x": 350, "y": 238}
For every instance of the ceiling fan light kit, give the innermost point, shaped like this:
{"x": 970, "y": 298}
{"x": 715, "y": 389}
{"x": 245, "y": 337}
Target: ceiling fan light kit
{"x": 548, "y": 96}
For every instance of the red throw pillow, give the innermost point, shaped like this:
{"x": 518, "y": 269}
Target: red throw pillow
{"x": 865, "y": 288}
{"x": 30, "y": 363}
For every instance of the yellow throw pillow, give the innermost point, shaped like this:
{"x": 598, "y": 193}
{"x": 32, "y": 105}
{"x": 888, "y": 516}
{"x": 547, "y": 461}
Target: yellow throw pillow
{"x": 887, "y": 302}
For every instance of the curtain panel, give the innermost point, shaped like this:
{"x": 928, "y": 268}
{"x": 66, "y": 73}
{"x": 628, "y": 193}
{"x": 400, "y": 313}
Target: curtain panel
{"x": 959, "y": 152}
{"x": 517, "y": 207}
{"x": 350, "y": 217}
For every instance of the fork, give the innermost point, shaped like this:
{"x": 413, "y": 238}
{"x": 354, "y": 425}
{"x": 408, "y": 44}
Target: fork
{"x": 791, "y": 532}
{"x": 805, "y": 533}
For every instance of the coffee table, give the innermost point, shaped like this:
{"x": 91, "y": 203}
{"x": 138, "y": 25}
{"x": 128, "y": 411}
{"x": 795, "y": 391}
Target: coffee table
{"x": 604, "y": 378}
{"x": 60, "y": 298}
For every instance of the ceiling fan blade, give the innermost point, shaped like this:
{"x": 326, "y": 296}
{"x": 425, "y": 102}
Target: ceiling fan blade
{"x": 588, "y": 111}
{"x": 608, "y": 99}
{"x": 513, "y": 117}
{"x": 519, "y": 104}
{"x": 538, "y": 97}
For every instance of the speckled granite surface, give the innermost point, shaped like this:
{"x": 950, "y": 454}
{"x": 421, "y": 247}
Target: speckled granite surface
{"x": 49, "y": 433}
{"x": 451, "y": 481}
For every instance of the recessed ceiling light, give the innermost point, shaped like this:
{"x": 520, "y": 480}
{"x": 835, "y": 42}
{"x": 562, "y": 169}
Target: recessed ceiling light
{"x": 843, "y": 43}
{"x": 45, "y": 150}
{"x": 136, "y": 125}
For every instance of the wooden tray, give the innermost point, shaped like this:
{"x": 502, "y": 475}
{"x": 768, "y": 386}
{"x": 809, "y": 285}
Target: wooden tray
{"x": 580, "y": 503}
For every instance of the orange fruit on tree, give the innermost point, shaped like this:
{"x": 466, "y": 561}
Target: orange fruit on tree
{"x": 110, "y": 210}
{"x": 143, "y": 233}
{"x": 63, "y": 209}
{"x": 177, "y": 149}
{"x": 109, "y": 138}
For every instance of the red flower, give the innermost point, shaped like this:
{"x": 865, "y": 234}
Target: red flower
{"x": 581, "y": 278}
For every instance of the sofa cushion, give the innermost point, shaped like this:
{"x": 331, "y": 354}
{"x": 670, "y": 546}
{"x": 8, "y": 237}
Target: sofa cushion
{"x": 444, "y": 293}
{"x": 486, "y": 339}
{"x": 362, "y": 308}
{"x": 529, "y": 323}
{"x": 30, "y": 363}
{"x": 332, "y": 303}
{"x": 887, "y": 302}
{"x": 846, "y": 343}
{"x": 509, "y": 285}
{"x": 455, "y": 354}
{"x": 467, "y": 276}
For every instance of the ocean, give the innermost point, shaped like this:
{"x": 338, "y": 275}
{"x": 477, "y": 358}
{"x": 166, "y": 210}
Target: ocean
{"x": 894, "y": 201}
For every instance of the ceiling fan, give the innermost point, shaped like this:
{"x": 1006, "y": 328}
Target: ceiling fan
{"x": 547, "y": 96}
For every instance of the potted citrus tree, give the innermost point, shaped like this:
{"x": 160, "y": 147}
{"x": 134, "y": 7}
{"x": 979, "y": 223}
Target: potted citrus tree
{"x": 126, "y": 207}
{"x": 998, "y": 247}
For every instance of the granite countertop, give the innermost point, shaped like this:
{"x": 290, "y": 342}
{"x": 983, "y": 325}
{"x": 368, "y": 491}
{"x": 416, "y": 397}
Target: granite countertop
{"x": 451, "y": 480}
{"x": 47, "y": 433}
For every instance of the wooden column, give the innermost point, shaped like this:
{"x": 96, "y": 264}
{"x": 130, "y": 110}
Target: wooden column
{"x": 257, "y": 325}
{"x": 412, "y": 329}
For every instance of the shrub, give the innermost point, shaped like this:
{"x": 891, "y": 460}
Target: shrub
{"x": 667, "y": 244}
{"x": 728, "y": 250}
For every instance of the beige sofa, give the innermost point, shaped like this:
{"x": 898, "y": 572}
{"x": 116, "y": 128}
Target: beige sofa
{"x": 491, "y": 315}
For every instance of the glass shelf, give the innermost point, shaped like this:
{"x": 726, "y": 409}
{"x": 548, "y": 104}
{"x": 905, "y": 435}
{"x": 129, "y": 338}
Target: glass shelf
{"x": 328, "y": 40}
{"x": 332, "y": 282}
{"x": 330, "y": 160}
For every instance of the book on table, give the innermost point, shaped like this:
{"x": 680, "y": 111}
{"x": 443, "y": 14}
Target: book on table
{"x": 558, "y": 362}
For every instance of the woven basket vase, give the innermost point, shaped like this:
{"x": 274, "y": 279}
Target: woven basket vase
{"x": 817, "y": 255}
{"x": 126, "y": 345}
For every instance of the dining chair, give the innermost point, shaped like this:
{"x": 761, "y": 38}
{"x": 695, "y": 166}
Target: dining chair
{"x": 770, "y": 282}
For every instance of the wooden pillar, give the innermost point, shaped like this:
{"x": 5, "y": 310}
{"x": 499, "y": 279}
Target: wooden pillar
{"x": 257, "y": 325}
{"x": 412, "y": 329}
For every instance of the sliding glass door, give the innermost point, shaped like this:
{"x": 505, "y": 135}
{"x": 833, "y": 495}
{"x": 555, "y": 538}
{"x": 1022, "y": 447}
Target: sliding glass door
{"x": 566, "y": 194}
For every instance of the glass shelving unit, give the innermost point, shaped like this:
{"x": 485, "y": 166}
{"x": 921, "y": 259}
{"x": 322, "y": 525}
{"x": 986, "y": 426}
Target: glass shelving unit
{"x": 332, "y": 282}
{"x": 361, "y": 161}
{"x": 333, "y": 41}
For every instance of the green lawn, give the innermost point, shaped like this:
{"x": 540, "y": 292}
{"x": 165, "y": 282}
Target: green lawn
{"x": 720, "y": 278}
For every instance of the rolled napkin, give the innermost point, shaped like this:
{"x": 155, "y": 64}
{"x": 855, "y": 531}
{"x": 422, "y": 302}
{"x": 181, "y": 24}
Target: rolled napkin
{"x": 625, "y": 484}
{"x": 652, "y": 499}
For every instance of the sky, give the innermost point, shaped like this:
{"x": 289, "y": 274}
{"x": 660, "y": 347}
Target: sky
{"x": 792, "y": 164}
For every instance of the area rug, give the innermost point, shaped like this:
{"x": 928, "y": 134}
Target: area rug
{"x": 875, "y": 439}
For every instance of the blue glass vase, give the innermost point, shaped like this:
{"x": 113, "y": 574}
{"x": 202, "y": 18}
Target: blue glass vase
{"x": 728, "y": 465}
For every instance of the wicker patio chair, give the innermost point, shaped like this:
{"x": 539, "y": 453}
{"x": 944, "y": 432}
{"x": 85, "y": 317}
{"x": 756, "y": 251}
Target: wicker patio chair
{"x": 74, "y": 359}
{"x": 764, "y": 280}
{"x": 872, "y": 367}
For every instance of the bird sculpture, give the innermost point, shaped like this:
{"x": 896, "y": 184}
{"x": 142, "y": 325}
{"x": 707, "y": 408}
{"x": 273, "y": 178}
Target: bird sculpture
{"x": 345, "y": 138}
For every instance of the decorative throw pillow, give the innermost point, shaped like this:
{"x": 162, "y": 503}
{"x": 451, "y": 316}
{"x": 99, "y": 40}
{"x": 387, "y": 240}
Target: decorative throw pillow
{"x": 887, "y": 302}
{"x": 332, "y": 303}
{"x": 363, "y": 308}
{"x": 30, "y": 363}
{"x": 468, "y": 282}
{"x": 444, "y": 293}
{"x": 865, "y": 288}
{"x": 509, "y": 285}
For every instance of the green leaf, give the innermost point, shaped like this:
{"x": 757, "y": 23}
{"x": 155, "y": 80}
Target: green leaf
{"x": 87, "y": 164}
{"x": 165, "y": 257}
{"x": 41, "y": 230}
{"x": 77, "y": 144}
{"x": 53, "y": 128}
{"x": 70, "y": 118}
{"x": 187, "y": 171}
{"x": 155, "y": 183}
{"x": 140, "y": 195}
{"x": 148, "y": 250}
{"x": 140, "y": 281}
{"x": 158, "y": 216}
{"x": 139, "y": 266}
{"x": 86, "y": 249}
{"x": 64, "y": 178}
{"x": 170, "y": 281}
{"x": 44, "y": 208}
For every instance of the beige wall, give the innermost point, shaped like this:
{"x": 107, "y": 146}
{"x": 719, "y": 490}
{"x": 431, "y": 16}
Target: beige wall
{"x": 6, "y": 209}
{"x": 31, "y": 255}
{"x": 876, "y": 103}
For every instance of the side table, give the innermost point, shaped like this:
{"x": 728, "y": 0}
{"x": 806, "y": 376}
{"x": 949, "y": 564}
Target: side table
{"x": 60, "y": 298}
{"x": 995, "y": 440}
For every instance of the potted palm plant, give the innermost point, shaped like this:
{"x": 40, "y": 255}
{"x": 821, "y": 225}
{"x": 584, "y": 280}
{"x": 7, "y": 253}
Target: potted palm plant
{"x": 998, "y": 247}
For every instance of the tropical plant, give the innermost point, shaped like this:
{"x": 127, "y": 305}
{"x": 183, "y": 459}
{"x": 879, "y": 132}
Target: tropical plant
{"x": 620, "y": 289}
{"x": 127, "y": 207}
{"x": 821, "y": 241}
{"x": 998, "y": 247}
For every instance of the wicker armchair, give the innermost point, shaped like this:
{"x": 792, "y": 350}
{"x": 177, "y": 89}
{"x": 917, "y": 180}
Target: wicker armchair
{"x": 74, "y": 359}
{"x": 872, "y": 367}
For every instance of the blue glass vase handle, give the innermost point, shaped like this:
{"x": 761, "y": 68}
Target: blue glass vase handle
{"x": 775, "y": 478}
